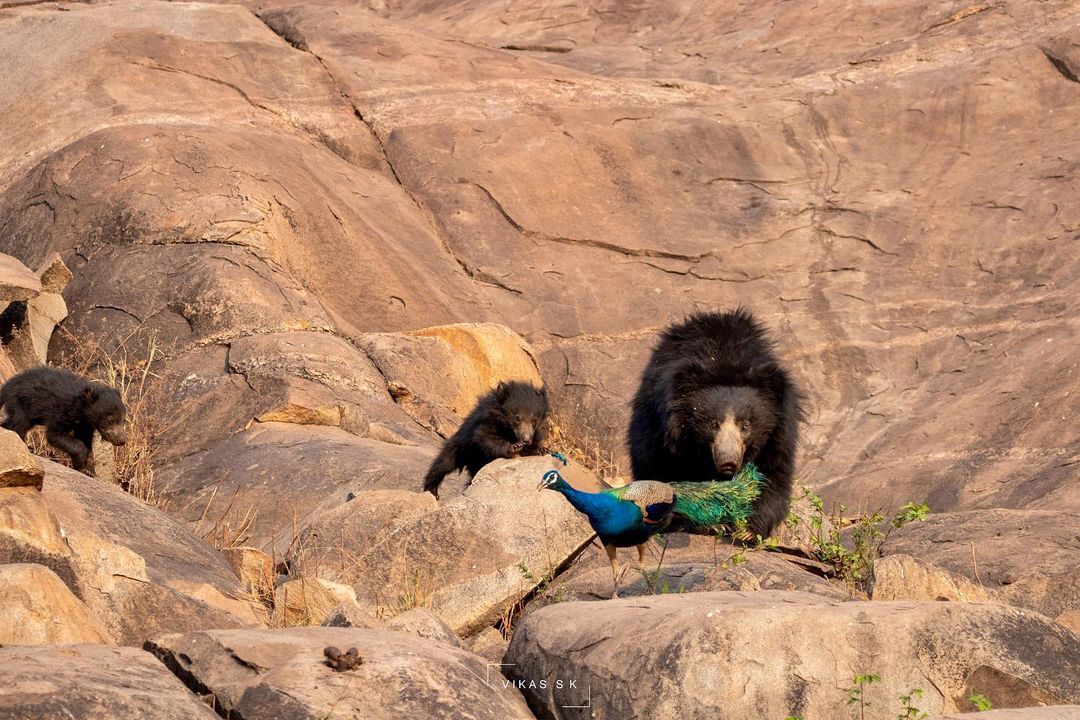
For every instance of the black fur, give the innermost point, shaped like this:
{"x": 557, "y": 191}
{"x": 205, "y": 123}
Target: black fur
{"x": 703, "y": 368}
{"x": 509, "y": 421}
{"x": 69, "y": 406}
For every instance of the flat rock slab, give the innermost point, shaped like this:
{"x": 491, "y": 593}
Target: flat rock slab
{"x": 39, "y": 609}
{"x": 1027, "y": 558}
{"x": 92, "y": 682}
{"x": 1054, "y": 712}
{"x": 473, "y": 556}
{"x": 769, "y": 654}
{"x": 18, "y": 468}
{"x": 281, "y": 675}
{"x": 690, "y": 563}
{"x": 139, "y": 571}
{"x": 17, "y": 282}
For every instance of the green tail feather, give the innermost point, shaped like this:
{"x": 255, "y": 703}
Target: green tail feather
{"x": 712, "y": 504}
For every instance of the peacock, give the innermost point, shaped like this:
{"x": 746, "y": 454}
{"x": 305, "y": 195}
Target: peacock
{"x": 629, "y": 515}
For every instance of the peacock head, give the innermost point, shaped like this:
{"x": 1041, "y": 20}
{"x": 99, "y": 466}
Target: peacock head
{"x": 551, "y": 479}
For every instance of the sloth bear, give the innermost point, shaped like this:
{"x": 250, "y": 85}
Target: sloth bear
{"x": 509, "y": 421}
{"x": 714, "y": 396}
{"x": 69, "y": 406}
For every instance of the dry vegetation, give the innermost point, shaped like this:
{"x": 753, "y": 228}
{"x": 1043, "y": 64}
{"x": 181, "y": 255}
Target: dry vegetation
{"x": 149, "y": 416}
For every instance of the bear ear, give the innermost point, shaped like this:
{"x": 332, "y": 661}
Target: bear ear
{"x": 89, "y": 394}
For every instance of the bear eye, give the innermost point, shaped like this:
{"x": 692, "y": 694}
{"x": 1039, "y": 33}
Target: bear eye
{"x": 746, "y": 426}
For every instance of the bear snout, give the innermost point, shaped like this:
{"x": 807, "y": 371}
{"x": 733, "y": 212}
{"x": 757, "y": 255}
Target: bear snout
{"x": 728, "y": 448}
{"x": 525, "y": 433}
{"x": 115, "y": 435}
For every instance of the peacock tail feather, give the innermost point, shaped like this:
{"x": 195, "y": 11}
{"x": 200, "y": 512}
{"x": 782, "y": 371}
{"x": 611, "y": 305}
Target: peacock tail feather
{"x": 712, "y": 504}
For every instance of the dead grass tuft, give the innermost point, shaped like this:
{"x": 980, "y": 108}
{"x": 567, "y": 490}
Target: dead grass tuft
{"x": 150, "y": 416}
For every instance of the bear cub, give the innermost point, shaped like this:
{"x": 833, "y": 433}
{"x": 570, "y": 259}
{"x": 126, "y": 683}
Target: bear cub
{"x": 509, "y": 421}
{"x": 713, "y": 397}
{"x": 68, "y": 405}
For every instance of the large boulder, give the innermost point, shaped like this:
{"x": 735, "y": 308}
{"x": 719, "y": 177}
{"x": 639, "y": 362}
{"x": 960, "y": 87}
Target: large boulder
{"x": 814, "y": 181}
{"x": 1054, "y": 712}
{"x": 271, "y": 674}
{"x": 438, "y": 373}
{"x": 18, "y": 468}
{"x": 39, "y": 609}
{"x": 469, "y": 558}
{"x": 139, "y": 571}
{"x": 92, "y": 682}
{"x": 1028, "y": 558}
{"x": 773, "y": 654}
{"x": 690, "y": 563}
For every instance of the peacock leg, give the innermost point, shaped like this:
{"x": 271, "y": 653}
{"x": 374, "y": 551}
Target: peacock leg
{"x": 641, "y": 556}
{"x": 611, "y": 550}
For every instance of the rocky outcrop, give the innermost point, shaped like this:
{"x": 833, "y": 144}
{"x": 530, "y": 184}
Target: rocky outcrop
{"x": 275, "y": 674}
{"x": 902, "y": 577}
{"x": 469, "y": 558}
{"x": 1026, "y": 558}
{"x": 1058, "y": 712}
{"x": 18, "y": 468}
{"x": 39, "y": 609}
{"x": 92, "y": 681}
{"x": 337, "y": 224}
{"x": 778, "y": 654}
{"x": 138, "y": 571}
{"x": 28, "y": 320}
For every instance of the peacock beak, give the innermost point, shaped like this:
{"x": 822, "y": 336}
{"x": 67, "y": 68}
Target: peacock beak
{"x": 549, "y": 479}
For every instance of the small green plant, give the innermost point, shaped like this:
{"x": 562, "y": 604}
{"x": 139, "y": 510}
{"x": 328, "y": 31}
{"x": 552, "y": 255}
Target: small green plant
{"x": 856, "y": 693}
{"x": 909, "y": 513}
{"x": 908, "y": 711}
{"x": 981, "y": 702}
{"x": 853, "y": 557}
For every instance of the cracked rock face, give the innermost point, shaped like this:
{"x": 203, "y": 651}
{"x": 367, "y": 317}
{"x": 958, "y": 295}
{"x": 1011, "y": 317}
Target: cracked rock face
{"x": 92, "y": 681}
{"x": 262, "y": 674}
{"x": 773, "y": 654}
{"x": 340, "y": 223}
{"x": 892, "y": 196}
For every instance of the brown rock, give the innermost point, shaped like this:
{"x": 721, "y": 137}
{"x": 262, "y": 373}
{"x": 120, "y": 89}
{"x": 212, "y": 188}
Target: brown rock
{"x": 281, "y": 673}
{"x": 272, "y": 476}
{"x": 7, "y": 368}
{"x": 476, "y": 555}
{"x": 1056, "y": 712}
{"x": 54, "y": 275}
{"x": 39, "y": 609}
{"x": 706, "y": 659}
{"x": 18, "y": 468}
{"x": 902, "y": 577}
{"x": 254, "y": 568}
{"x": 1026, "y": 558}
{"x": 17, "y": 282}
{"x": 138, "y": 570}
{"x": 333, "y": 538}
{"x": 91, "y": 682}
{"x": 32, "y": 324}
{"x": 425, "y": 624}
{"x": 689, "y": 563}
{"x": 438, "y": 373}
{"x": 309, "y": 601}
{"x": 349, "y": 614}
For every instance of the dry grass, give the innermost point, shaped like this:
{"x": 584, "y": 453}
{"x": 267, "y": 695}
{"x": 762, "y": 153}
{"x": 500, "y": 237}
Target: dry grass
{"x": 226, "y": 527}
{"x": 149, "y": 416}
{"x": 589, "y": 452}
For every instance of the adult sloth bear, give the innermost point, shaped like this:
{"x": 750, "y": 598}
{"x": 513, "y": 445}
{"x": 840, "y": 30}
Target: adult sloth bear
{"x": 713, "y": 397}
